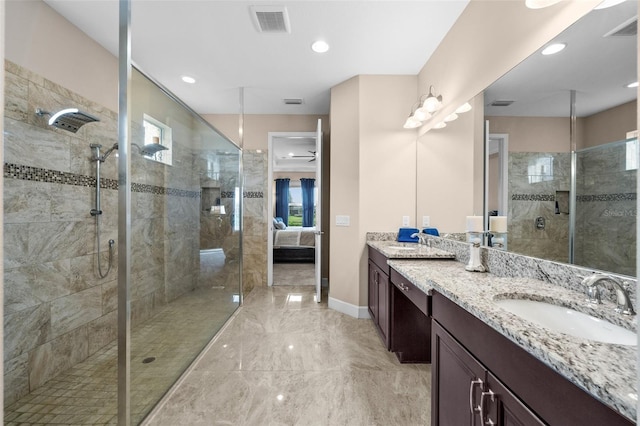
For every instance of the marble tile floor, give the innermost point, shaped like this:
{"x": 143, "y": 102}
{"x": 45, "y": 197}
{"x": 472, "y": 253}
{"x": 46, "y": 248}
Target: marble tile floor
{"x": 283, "y": 359}
{"x": 86, "y": 394}
{"x": 294, "y": 274}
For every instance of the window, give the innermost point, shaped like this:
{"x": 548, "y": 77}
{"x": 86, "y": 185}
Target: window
{"x": 540, "y": 169}
{"x": 157, "y": 133}
{"x": 295, "y": 205}
{"x": 632, "y": 155}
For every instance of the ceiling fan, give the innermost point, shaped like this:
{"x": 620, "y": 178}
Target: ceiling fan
{"x": 312, "y": 156}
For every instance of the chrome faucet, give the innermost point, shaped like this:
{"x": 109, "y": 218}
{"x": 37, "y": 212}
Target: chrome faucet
{"x": 422, "y": 238}
{"x": 624, "y": 301}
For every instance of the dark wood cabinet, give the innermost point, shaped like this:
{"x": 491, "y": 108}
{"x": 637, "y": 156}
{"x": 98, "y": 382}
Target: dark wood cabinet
{"x": 477, "y": 372}
{"x": 400, "y": 311}
{"x": 379, "y": 300}
{"x": 410, "y": 321}
{"x": 464, "y": 392}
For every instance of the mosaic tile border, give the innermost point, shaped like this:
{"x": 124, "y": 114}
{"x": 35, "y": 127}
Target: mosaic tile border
{"x": 533, "y": 197}
{"x": 246, "y": 194}
{"x": 37, "y": 174}
{"x": 628, "y": 196}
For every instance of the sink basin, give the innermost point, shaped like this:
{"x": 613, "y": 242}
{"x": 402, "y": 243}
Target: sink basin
{"x": 402, "y": 248}
{"x": 569, "y": 321}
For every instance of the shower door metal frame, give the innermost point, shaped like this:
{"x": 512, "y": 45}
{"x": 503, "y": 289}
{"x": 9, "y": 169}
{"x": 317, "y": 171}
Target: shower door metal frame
{"x": 124, "y": 215}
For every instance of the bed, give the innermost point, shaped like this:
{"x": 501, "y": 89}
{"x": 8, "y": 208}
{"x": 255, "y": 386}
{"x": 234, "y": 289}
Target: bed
{"x": 294, "y": 244}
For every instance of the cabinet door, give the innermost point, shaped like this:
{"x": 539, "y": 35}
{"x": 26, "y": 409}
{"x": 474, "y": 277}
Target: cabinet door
{"x": 373, "y": 292}
{"x": 383, "y": 306}
{"x": 501, "y": 407}
{"x": 457, "y": 382}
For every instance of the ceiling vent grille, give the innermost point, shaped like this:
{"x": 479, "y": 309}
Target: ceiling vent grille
{"x": 627, "y": 29}
{"x": 293, "y": 101}
{"x": 271, "y": 19}
{"x": 501, "y": 103}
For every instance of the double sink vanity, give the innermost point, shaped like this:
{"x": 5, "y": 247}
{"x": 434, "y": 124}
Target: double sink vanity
{"x": 505, "y": 348}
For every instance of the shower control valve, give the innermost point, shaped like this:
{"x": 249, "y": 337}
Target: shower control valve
{"x": 95, "y": 212}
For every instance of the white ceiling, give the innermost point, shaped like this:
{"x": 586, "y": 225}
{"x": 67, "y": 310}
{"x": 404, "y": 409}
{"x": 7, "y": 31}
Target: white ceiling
{"x": 597, "y": 67}
{"x": 217, "y": 43}
{"x": 302, "y": 148}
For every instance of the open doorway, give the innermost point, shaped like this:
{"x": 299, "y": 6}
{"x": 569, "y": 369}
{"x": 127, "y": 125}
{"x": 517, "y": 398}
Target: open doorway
{"x": 294, "y": 207}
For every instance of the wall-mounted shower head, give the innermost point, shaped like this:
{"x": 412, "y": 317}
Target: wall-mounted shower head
{"x": 70, "y": 119}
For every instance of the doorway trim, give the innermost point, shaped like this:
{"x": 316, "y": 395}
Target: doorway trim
{"x": 499, "y": 142}
{"x": 270, "y": 196}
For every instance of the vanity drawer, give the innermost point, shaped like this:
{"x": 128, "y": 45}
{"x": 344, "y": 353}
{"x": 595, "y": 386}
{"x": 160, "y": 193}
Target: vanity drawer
{"x": 379, "y": 259}
{"x": 413, "y": 293}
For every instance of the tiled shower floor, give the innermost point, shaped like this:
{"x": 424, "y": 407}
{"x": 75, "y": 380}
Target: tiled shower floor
{"x": 87, "y": 393}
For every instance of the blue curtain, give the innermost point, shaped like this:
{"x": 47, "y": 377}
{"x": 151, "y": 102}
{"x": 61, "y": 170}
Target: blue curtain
{"x": 282, "y": 199}
{"x": 307, "y": 201}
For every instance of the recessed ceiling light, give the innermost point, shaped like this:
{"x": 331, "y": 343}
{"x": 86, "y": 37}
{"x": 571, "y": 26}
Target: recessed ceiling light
{"x": 632, "y": 85}
{"x": 554, "y": 48}
{"x": 320, "y": 46}
{"x": 188, "y": 79}
{"x": 291, "y": 154}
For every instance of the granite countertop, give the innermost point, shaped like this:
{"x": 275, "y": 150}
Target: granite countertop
{"x": 606, "y": 371}
{"x": 396, "y": 250}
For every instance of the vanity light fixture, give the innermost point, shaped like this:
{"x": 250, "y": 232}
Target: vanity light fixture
{"x": 415, "y": 118}
{"x": 608, "y": 3}
{"x": 188, "y": 79}
{"x": 451, "y": 117}
{"x": 540, "y": 4}
{"x": 554, "y": 48}
{"x": 632, "y": 85}
{"x": 440, "y": 125}
{"x": 320, "y": 46}
{"x": 412, "y": 123}
{"x": 432, "y": 102}
{"x": 466, "y": 107}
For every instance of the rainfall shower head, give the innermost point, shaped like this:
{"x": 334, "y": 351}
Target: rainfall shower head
{"x": 70, "y": 119}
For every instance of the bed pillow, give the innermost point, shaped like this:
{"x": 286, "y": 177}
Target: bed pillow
{"x": 278, "y": 219}
{"x": 280, "y": 225}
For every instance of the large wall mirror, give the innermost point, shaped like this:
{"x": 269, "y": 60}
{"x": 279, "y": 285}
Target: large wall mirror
{"x": 574, "y": 106}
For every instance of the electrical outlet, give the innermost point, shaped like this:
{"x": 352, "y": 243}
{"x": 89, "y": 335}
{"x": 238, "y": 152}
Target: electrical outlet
{"x": 425, "y": 221}
{"x": 405, "y": 221}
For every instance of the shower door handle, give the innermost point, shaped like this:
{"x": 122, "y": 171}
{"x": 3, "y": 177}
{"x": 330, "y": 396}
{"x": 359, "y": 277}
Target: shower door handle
{"x": 95, "y": 212}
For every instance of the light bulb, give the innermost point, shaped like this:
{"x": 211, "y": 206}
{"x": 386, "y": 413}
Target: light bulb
{"x": 451, "y": 117}
{"x": 440, "y": 125}
{"x": 412, "y": 123}
{"x": 464, "y": 108}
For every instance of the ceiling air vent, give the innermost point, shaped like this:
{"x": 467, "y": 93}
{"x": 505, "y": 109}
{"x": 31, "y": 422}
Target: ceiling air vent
{"x": 293, "y": 101}
{"x": 627, "y": 29}
{"x": 271, "y": 19}
{"x": 501, "y": 103}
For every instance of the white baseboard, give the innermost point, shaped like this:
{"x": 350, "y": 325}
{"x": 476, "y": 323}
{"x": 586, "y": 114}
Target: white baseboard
{"x": 354, "y": 311}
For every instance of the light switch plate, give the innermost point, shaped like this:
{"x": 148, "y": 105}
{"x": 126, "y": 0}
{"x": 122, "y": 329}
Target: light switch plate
{"x": 425, "y": 221}
{"x": 342, "y": 220}
{"x": 405, "y": 220}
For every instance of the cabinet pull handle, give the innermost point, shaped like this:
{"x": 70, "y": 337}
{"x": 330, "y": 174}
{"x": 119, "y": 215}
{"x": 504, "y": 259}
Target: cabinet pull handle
{"x": 482, "y": 413}
{"x": 403, "y": 287}
{"x": 472, "y": 408}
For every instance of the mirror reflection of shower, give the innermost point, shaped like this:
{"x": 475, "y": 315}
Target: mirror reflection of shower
{"x": 97, "y": 211}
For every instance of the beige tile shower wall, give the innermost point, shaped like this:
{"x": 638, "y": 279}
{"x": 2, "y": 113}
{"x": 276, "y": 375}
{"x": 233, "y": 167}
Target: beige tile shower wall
{"x": 57, "y": 311}
{"x": 529, "y": 198}
{"x": 606, "y": 210}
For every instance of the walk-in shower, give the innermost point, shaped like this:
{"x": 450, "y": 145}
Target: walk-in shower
{"x": 61, "y": 319}
{"x": 97, "y": 211}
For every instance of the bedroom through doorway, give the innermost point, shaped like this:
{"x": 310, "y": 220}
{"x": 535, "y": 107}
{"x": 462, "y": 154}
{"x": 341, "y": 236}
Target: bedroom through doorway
{"x": 294, "y": 208}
